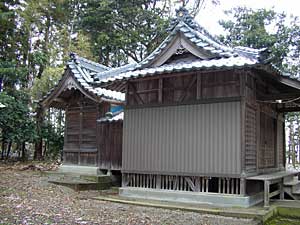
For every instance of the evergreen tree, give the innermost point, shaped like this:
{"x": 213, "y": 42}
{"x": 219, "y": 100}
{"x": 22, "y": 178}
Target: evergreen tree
{"x": 264, "y": 28}
{"x": 122, "y": 30}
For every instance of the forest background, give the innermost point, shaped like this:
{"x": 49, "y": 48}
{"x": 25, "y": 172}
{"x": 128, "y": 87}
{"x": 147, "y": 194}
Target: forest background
{"x": 36, "y": 38}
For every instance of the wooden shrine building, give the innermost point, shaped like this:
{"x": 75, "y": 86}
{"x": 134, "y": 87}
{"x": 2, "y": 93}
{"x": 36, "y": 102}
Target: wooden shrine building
{"x": 204, "y": 122}
{"x": 93, "y": 133}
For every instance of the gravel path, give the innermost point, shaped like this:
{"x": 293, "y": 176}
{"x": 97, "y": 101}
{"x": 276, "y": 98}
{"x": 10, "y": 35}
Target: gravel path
{"x": 27, "y": 198}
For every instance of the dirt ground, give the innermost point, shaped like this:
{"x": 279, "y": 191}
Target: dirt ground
{"x": 27, "y": 198}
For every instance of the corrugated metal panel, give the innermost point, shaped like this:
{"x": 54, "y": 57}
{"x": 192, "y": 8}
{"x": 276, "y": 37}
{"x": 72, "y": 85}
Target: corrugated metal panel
{"x": 196, "y": 139}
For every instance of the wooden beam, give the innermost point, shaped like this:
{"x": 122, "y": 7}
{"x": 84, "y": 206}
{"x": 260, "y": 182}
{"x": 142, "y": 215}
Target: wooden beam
{"x": 191, "y": 84}
{"x": 136, "y": 95}
{"x": 289, "y": 109}
{"x": 200, "y": 101}
{"x": 279, "y": 96}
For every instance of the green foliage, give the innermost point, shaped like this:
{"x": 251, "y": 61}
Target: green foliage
{"x": 11, "y": 74}
{"x": 122, "y": 30}
{"x": 82, "y": 46}
{"x": 16, "y": 121}
{"x": 43, "y": 85}
{"x": 265, "y": 29}
{"x": 54, "y": 139}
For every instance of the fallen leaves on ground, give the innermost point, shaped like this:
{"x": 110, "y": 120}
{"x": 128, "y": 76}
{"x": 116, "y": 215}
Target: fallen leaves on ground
{"x": 27, "y": 198}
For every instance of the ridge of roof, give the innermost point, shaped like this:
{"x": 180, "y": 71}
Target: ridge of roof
{"x": 200, "y": 37}
{"x": 182, "y": 14}
{"x": 89, "y": 64}
{"x": 86, "y": 79}
{"x": 115, "y": 71}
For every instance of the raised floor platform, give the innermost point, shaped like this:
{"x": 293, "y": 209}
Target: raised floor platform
{"x": 287, "y": 182}
{"x": 273, "y": 176}
{"x": 222, "y": 200}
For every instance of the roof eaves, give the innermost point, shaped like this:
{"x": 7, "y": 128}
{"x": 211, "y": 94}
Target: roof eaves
{"x": 223, "y": 63}
{"x": 114, "y": 118}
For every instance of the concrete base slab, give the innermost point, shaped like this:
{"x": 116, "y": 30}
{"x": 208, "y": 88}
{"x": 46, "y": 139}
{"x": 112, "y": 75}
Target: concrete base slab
{"x": 216, "y": 199}
{"x": 258, "y": 212}
{"x": 76, "y": 169}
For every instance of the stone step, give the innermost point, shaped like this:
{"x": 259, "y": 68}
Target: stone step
{"x": 79, "y": 182}
{"x": 294, "y": 184}
{"x": 289, "y": 178}
{"x": 81, "y": 185}
{"x": 98, "y": 178}
{"x": 94, "y": 178}
{"x": 60, "y": 174}
{"x": 297, "y": 192}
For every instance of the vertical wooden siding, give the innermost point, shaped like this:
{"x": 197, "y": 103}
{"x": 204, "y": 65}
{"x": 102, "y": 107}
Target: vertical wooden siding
{"x": 193, "y": 139}
{"x": 280, "y": 140}
{"x": 250, "y": 139}
{"x": 80, "y": 142}
{"x": 109, "y": 136}
{"x": 267, "y": 151}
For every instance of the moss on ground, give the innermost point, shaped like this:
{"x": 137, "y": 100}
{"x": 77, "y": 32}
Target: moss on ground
{"x": 280, "y": 220}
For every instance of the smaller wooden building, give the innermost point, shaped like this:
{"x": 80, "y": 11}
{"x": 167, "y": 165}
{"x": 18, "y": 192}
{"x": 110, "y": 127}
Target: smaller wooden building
{"x": 92, "y": 135}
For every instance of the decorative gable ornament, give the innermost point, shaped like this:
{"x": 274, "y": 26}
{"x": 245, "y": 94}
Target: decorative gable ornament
{"x": 182, "y": 14}
{"x": 70, "y": 84}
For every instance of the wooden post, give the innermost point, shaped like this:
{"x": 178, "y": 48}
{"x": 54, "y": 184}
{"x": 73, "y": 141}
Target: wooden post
{"x": 124, "y": 179}
{"x": 243, "y": 186}
{"x": 243, "y": 118}
{"x": 228, "y": 185}
{"x": 158, "y": 181}
{"x": 281, "y": 189}
{"x": 197, "y": 184}
{"x": 266, "y": 193}
{"x": 199, "y": 86}
{"x": 232, "y": 186}
{"x": 206, "y": 184}
{"x": 127, "y": 94}
{"x": 258, "y": 155}
{"x": 80, "y": 132}
{"x": 160, "y": 90}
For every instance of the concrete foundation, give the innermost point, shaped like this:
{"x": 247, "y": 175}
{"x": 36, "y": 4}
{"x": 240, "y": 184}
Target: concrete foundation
{"x": 215, "y": 199}
{"x": 84, "y": 170}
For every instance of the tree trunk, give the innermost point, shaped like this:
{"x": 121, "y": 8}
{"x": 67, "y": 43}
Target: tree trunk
{"x": 3, "y": 149}
{"x": 23, "y": 151}
{"x": 8, "y": 149}
{"x": 38, "y": 152}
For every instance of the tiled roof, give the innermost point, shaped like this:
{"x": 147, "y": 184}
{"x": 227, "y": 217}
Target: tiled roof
{"x": 223, "y": 63}
{"x": 114, "y": 72}
{"x": 114, "y": 118}
{"x": 84, "y": 72}
{"x": 80, "y": 68}
{"x": 220, "y": 55}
